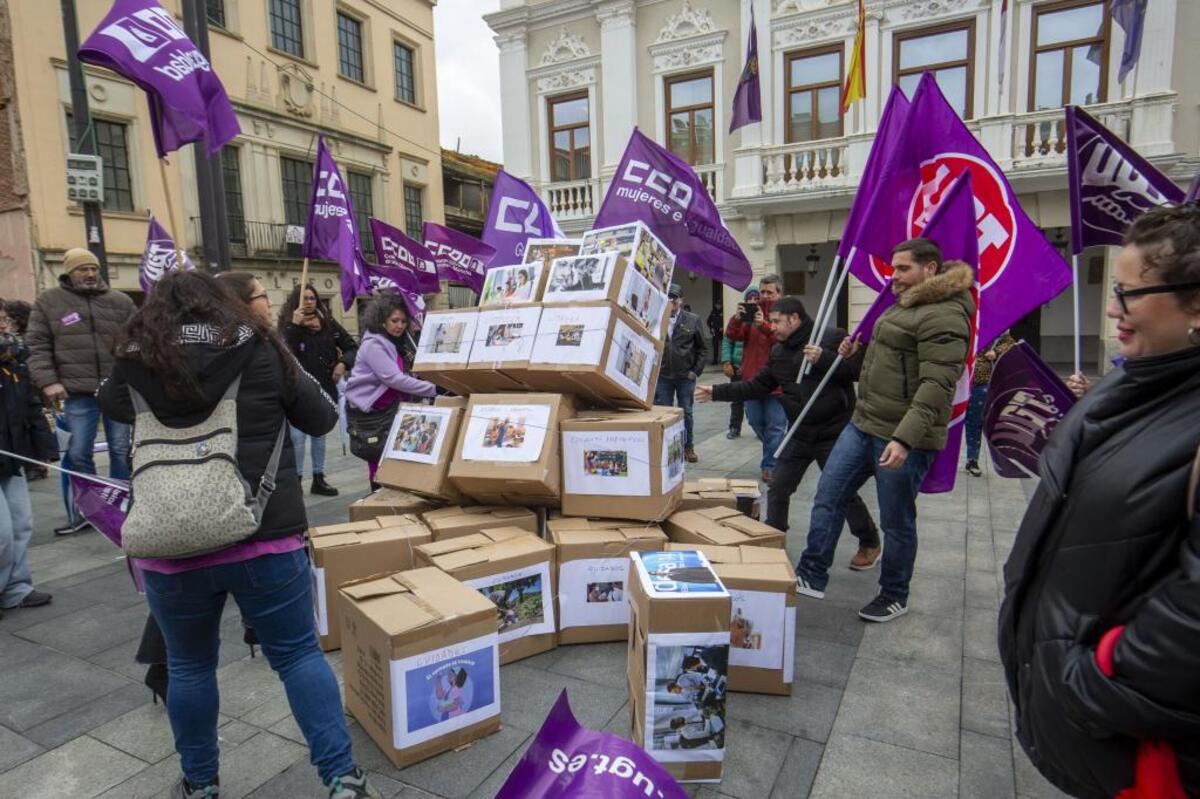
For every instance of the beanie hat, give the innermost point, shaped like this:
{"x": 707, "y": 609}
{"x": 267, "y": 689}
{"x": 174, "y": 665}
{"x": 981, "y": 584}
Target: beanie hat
{"x": 77, "y": 257}
{"x": 751, "y": 294}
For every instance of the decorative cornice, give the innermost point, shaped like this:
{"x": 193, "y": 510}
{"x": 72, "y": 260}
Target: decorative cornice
{"x": 566, "y": 79}
{"x": 617, "y": 15}
{"x": 567, "y": 47}
{"x": 810, "y": 29}
{"x": 695, "y": 52}
{"x": 687, "y": 23}
{"x": 913, "y": 10}
{"x": 800, "y": 6}
{"x": 511, "y": 40}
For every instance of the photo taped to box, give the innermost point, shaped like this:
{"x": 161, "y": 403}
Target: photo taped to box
{"x": 672, "y": 456}
{"x": 524, "y": 604}
{"x": 447, "y": 338}
{"x": 677, "y": 573}
{"x": 568, "y": 335}
{"x": 639, "y": 245}
{"x": 607, "y": 463}
{"x": 686, "y": 677}
{"x": 546, "y": 251}
{"x": 631, "y": 360}
{"x": 591, "y": 592}
{"x": 643, "y": 300}
{"x": 508, "y": 285}
{"x": 447, "y": 689}
{"x": 418, "y": 433}
{"x": 581, "y": 278}
{"x": 756, "y": 630}
{"x": 505, "y": 335}
{"x": 511, "y": 433}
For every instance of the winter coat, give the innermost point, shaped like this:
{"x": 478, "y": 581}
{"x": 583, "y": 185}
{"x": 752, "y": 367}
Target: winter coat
{"x": 757, "y": 339}
{"x": 731, "y": 352}
{"x": 832, "y": 409}
{"x": 266, "y": 400}
{"x": 23, "y": 426}
{"x": 983, "y": 367}
{"x": 687, "y": 349}
{"x": 70, "y": 335}
{"x": 914, "y": 359}
{"x": 1107, "y": 541}
{"x": 376, "y": 369}
{"x": 319, "y": 351}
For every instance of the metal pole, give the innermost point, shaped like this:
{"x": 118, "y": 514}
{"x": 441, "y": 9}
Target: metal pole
{"x": 808, "y": 405}
{"x": 85, "y": 139}
{"x": 1075, "y": 306}
{"x": 823, "y": 322}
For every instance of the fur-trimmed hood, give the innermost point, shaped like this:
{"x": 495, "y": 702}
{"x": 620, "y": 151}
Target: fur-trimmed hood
{"x": 956, "y": 277}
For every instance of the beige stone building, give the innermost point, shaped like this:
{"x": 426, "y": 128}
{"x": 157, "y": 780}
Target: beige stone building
{"x": 578, "y": 75}
{"x": 359, "y": 71}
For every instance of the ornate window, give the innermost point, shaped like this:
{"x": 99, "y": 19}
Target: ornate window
{"x": 690, "y": 115}
{"x": 570, "y": 137}
{"x": 1070, "y": 54}
{"x": 814, "y": 94}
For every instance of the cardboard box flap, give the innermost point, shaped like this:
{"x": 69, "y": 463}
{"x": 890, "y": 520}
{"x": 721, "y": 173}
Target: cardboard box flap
{"x": 715, "y": 553}
{"x": 716, "y": 482}
{"x": 749, "y": 526}
{"x": 777, "y": 575}
{"x": 579, "y": 537}
{"x": 347, "y": 527}
{"x": 504, "y": 533}
{"x": 446, "y": 593}
{"x": 401, "y": 613}
{"x": 461, "y": 559}
{"x": 519, "y": 545}
{"x": 438, "y": 548}
{"x": 716, "y": 513}
{"x": 400, "y": 520}
{"x": 723, "y": 536}
{"x": 336, "y": 540}
{"x": 656, "y": 415}
{"x": 393, "y": 534}
{"x": 370, "y": 587}
{"x": 643, "y": 533}
{"x": 765, "y": 555}
{"x": 743, "y": 484}
{"x": 716, "y": 494}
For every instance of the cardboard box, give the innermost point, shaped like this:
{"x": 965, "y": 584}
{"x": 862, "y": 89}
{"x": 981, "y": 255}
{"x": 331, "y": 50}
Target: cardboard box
{"x": 720, "y": 526}
{"x": 679, "y": 662}
{"x": 420, "y": 446}
{"x": 762, "y": 585}
{"x": 504, "y": 341}
{"x": 744, "y": 496}
{"x": 444, "y": 350}
{"x": 513, "y": 284}
{"x": 388, "y": 502}
{"x": 456, "y": 521}
{"x": 608, "y": 276}
{"x": 593, "y": 575}
{"x": 545, "y": 251}
{"x": 637, "y": 244}
{"x": 515, "y": 571}
{"x": 508, "y": 451}
{"x": 597, "y": 351}
{"x": 420, "y": 662}
{"x": 343, "y": 552}
{"x": 623, "y": 464}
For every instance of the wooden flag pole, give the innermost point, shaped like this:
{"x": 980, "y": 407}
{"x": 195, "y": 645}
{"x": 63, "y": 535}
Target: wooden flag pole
{"x": 176, "y": 228}
{"x": 303, "y": 277}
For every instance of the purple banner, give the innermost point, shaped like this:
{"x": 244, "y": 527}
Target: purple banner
{"x": 747, "y": 100}
{"x": 459, "y": 257}
{"x": 395, "y": 249}
{"x": 1026, "y": 400}
{"x": 332, "y": 233}
{"x": 140, "y": 40}
{"x": 105, "y": 506}
{"x": 654, "y": 186}
{"x": 1109, "y": 183}
{"x": 567, "y": 761}
{"x": 398, "y": 281}
{"x": 159, "y": 257}
{"x": 516, "y": 214}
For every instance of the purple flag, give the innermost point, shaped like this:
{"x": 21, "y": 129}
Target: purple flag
{"x": 1026, "y": 400}
{"x": 1019, "y": 270}
{"x": 885, "y": 299}
{"x": 1131, "y": 16}
{"x": 139, "y": 40}
{"x": 332, "y": 233}
{"x": 567, "y": 761}
{"x": 159, "y": 257}
{"x": 398, "y": 280}
{"x": 1193, "y": 192}
{"x": 654, "y": 186}
{"x": 1110, "y": 184}
{"x": 747, "y": 100}
{"x": 395, "y": 249}
{"x": 516, "y": 215}
{"x": 459, "y": 257}
{"x": 104, "y": 504}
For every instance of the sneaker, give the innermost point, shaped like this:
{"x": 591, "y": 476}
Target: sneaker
{"x": 732, "y": 434}
{"x": 973, "y": 469}
{"x": 70, "y": 528}
{"x": 866, "y": 558}
{"x": 805, "y": 588}
{"x": 881, "y": 609}
{"x": 322, "y": 488}
{"x": 35, "y": 599}
{"x": 185, "y": 790}
{"x": 690, "y": 455}
{"x": 352, "y": 786}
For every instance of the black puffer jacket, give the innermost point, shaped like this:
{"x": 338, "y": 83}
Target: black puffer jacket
{"x": 319, "y": 351}
{"x": 265, "y": 401}
{"x": 23, "y": 426}
{"x": 1107, "y": 541}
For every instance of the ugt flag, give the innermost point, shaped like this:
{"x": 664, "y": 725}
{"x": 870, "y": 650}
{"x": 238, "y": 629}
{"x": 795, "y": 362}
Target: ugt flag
{"x": 459, "y": 257}
{"x": 1110, "y": 184}
{"x": 1026, "y": 400}
{"x": 159, "y": 257}
{"x": 331, "y": 233}
{"x": 747, "y": 100}
{"x": 654, "y": 186}
{"x": 1019, "y": 270}
{"x": 395, "y": 249}
{"x": 139, "y": 40}
{"x": 516, "y": 215}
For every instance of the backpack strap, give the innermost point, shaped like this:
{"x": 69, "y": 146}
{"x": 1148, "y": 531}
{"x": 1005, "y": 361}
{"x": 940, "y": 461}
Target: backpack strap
{"x": 266, "y": 486}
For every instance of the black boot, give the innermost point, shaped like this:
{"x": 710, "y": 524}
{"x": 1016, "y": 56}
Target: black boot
{"x": 249, "y": 637}
{"x": 319, "y": 486}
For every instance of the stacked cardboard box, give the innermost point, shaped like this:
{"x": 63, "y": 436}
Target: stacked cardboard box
{"x": 744, "y": 496}
{"x": 420, "y": 446}
{"x": 720, "y": 526}
{"x": 458, "y": 520}
{"x": 389, "y": 502}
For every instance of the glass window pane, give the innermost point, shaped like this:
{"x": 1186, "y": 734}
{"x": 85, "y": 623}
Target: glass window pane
{"x": 472, "y": 197}
{"x": 561, "y": 154}
{"x": 937, "y": 48}
{"x": 582, "y": 162}
{"x": 406, "y": 88}
{"x": 1049, "y": 79}
{"x": 829, "y": 111}
{"x": 1085, "y": 78}
{"x": 570, "y": 112}
{"x": 286, "y": 33}
{"x": 680, "y": 136}
{"x": 908, "y": 84}
{"x": 704, "y": 137}
{"x": 691, "y": 92}
{"x": 953, "y": 83}
{"x": 350, "y": 55}
{"x": 413, "y": 214}
{"x": 1069, "y": 24}
{"x": 816, "y": 69}
{"x": 802, "y": 116}
{"x": 582, "y": 137}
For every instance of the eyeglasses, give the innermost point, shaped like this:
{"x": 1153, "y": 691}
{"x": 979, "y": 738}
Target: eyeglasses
{"x": 1123, "y": 295}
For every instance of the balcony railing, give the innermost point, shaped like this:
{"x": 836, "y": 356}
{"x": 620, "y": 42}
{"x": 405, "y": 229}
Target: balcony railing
{"x": 251, "y": 239}
{"x": 805, "y": 166}
{"x": 1040, "y": 138}
{"x": 713, "y": 178}
{"x": 572, "y": 200}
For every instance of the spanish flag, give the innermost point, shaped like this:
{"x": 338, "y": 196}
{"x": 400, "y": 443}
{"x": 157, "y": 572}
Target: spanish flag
{"x": 856, "y": 76}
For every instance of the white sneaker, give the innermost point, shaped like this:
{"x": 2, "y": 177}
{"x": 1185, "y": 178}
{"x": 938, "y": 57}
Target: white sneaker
{"x": 805, "y": 588}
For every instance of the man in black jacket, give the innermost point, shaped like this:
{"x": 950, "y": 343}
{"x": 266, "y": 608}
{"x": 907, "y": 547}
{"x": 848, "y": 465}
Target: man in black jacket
{"x": 682, "y": 362}
{"x": 814, "y": 439}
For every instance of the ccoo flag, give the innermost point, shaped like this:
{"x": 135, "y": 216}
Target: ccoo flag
{"x": 747, "y": 100}
{"x": 1110, "y": 184}
{"x": 159, "y": 257}
{"x": 139, "y": 40}
{"x": 517, "y": 214}
{"x": 395, "y": 249}
{"x": 397, "y": 280}
{"x": 654, "y": 186}
{"x": 331, "y": 233}
{"x": 459, "y": 257}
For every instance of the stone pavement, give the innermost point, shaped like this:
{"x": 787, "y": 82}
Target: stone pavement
{"x": 917, "y": 707}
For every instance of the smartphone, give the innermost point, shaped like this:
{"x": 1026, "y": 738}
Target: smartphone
{"x": 750, "y": 310}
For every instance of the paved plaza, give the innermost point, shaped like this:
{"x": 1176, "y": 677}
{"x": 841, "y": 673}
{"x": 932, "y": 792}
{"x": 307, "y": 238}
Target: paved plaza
{"x": 914, "y": 708}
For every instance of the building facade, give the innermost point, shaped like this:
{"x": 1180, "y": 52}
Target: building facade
{"x": 578, "y": 75}
{"x": 467, "y": 183}
{"x": 360, "y": 72}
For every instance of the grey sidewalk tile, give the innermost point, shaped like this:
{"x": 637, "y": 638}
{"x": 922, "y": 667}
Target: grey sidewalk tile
{"x": 985, "y": 698}
{"x": 809, "y": 712}
{"x": 115, "y": 567}
{"x": 754, "y": 756}
{"x": 983, "y": 590}
{"x": 985, "y": 768}
{"x": 817, "y": 619}
{"x": 144, "y": 733}
{"x": 15, "y": 651}
{"x": 823, "y": 662}
{"x": 495, "y": 781}
{"x": 858, "y": 767}
{"x": 457, "y": 774}
{"x": 231, "y": 732}
{"x": 88, "y": 631}
{"x": 250, "y": 764}
{"x": 799, "y": 770}
{"x": 79, "y": 769}
{"x": 248, "y": 684}
{"x": 63, "y": 604}
{"x": 288, "y": 728}
{"x": 51, "y": 684}
{"x": 947, "y": 558}
{"x": 918, "y": 639}
{"x": 547, "y": 659}
{"x": 300, "y": 781}
{"x": 604, "y": 664}
{"x": 151, "y": 783}
{"x": 528, "y": 696}
{"x": 1030, "y": 783}
{"x": 979, "y": 635}
{"x": 114, "y": 589}
{"x": 267, "y": 715}
{"x": 936, "y": 594}
{"x": 76, "y": 721}
{"x": 981, "y": 549}
{"x": 16, "y": 749}
{"x": 910, "y": 706}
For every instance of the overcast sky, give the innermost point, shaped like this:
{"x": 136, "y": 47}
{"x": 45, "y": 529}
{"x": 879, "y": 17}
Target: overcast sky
{"x": 468, "y": 77}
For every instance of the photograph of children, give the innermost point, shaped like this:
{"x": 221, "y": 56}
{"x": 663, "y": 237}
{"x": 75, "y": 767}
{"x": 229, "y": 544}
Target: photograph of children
{"x": 502, "y": 432}
{"x": 546, "y": 251}
{"x": 654, "y": 262}
{"x": 448, "y": 690}
{"x": 633, "y": 361}
{"x": 503, "y": 335}
{"x": 757, "y": 629}
{"x": 643, "y": 300}
{"x": 518, "y": 602}
{"x": 510, "y": 284}
{"x": 569, "y": 336}
{"x": 675, "y": 455}
{"x": 614, "y": 239}
{"x": 688, "y": 692}
{"x": 606, "y": 592}
{"x": 448, "y": 337}
{"x": 416, "y": 435}
{"x": 742, "y": 634}
{"x": 508, "y": 431}
{"x": 606, "y": 463}
{"x": 574, "y": 276}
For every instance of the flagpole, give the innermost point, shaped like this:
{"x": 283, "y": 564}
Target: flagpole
{"x": 176, "y": 228}
{"x": 303, "y": 276}
{"x": 808, "y": 405}
{"x": 1075, "y": 306}
{"x": 833, "y": 270}
{"x": 823, "y": 323}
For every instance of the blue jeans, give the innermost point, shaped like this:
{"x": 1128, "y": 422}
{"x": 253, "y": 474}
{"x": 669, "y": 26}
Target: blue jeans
{"x": 974, "y": 420}
{"x": 83, "y": 417}
{"x": 274, "y": 593}
{"x": 16, "y": 528}
{"x": 855, "y": 457}
{"x": 681, "y": 391}
{"x": 318, "y": 452}
{"x": 770, "y": 424}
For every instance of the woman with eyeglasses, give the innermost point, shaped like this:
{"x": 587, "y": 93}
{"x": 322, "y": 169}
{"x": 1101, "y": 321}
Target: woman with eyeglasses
{"x": 1100, "y": 626}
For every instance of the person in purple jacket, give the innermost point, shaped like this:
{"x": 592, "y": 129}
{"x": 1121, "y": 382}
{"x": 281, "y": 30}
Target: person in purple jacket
{"x": 378, "y": 381}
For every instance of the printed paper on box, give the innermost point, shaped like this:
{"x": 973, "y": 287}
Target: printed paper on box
{"x": 571, "y": 336}
{"x": 686, "y": 675}
{"x": 754, "y": 631}
{"x": 610, "y": 463}
{"x": 581, "y": 278}
{"x": 507, "y": 285}
{"x": 513, "y": 433}
{"x": 505, "y": 334}
{"x": 320, "y": 606}
{"x": 642, "y": 300}
{"x": 448, "y": 689}
{"x": 447, "y": 338}
{"x": 672, "y": 456}
{"x": 522, "y": 597}
{"x": 630, "y": 360}
{"x": 668, "y": 575}
{"x": 545, "y": 251}
{"x": 418, "y": 434}
{"x": 591, "y": 592}
{"x": 641, "y": 247}
{"x": 789, "y": 646}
